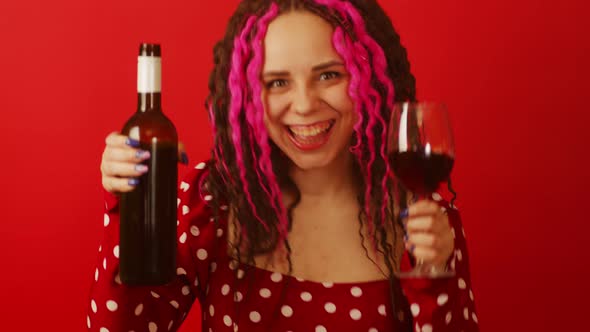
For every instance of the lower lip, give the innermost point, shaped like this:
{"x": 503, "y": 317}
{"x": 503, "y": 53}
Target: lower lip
{"x": 311, "y": 146}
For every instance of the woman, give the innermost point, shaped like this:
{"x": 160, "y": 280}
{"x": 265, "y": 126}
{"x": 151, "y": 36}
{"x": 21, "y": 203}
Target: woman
{"x": 294, "y": 225}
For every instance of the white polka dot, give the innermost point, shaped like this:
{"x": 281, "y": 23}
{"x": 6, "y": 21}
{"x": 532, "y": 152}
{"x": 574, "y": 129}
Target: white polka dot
{"x": 415, "y": 308}
{"x": 211, "y": 310}
{"x": 255, "y": 317}
{"x": 471, "y": 295}
{"x": 170, "y": 325}
{"x": 453, "y": 231}
{"x": 381, "y": 310}
{"x": 213, "y": 267}
{"x": 185, "y": 290}
{"x": 328, "y": 284}
{"x": 442, "y": 299}
{"x": 154, "y": 294}
{"x": 182, "y": 238}
{"x": 436, "y": 197}
{"x": 138, "y": 309}
{"x": 459, "y": 254}
{"x": 427, "y": 328}
{"x": 227, "y": 320}
{"x": 356, "y": 292}
{"x": 265, "y": 293}
{"x": 177, "y": 202}
{"x": 418, "y": 329}
{"x": 195, "y": 231}
{"x": 174, "y": 304}
{"x": 185, "y": 210}
{"x": 474, "y": 317}
{"x": 112, "y": 305}
{"x": 107, "y": 220}
{"x": 184, "y": 186}
{"x": 202, "y": 254}
{"x": 93, "y": 305}
{"x": 219, "y": 232}
{"x": 448, "y": 317}
{"x": 276, "y": 277}
{"x": 306, "y": 296}
{"x": 320, "y": 328}
{"x": 153, "y": 327}
{"x": 225, "y": 289}
{"x": 177, "y": 223}
{"x": 462, "y": 283}
{"x": 116, "y": 251}
{"x": 330, "y": 307}
{"x": 241, "y": 274}
{"x": 88, "y": 321}
{"x": 201, "y": 166}
{"x": 103, "y": 329}
{"x": 355, "y": 314}
{"x": 180, "y": 271}
{"x": 224, "y": 208}
{"x": 196, "y": 283}
{"x": 299, "y": 279}
{"x": 208, "y": 198}
{"x": 443, "y": 209}
{"x": 96, "y": 275}
{"x": 372, "y": 329}
{"x": 238, "y": 297}
{"x": 287, "y": 311}
{"x": 466, "y": 313}
{"x": 453, "y": 264}
{"x": 463, "y": 232}
{"x": 100, "y": 248}
{"x": 104, "y": 264}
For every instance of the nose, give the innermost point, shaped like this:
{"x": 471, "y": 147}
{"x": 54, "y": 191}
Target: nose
{"x": 304, "y": 100}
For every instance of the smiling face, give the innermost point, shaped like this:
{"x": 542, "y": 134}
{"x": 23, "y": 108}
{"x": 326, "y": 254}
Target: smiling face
{"x": 308, "y": 112}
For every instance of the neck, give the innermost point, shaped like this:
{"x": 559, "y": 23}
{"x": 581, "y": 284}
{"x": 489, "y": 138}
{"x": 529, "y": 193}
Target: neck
{"x": 331, "y": 181}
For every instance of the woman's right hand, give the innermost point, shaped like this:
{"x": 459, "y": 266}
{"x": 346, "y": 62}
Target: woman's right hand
{"x": 121, "y": 163}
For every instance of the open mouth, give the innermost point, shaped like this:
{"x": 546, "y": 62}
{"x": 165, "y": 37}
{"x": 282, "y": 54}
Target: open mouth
{"x": 309, "y": 137}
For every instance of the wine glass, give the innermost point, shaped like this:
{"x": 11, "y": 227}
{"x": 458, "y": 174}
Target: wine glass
{"x": 421, "y": 151}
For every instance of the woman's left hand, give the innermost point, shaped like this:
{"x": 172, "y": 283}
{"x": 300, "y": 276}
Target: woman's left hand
{"x": 429, "y": 235}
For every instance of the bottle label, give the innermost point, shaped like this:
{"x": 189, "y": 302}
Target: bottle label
{"x": 149, "y": 74}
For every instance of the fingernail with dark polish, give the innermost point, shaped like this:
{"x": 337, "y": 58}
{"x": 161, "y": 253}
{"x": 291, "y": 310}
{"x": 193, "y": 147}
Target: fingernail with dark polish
{"x": 404, "y": 214}
{"x": 184, "y": 158}
{"x": 141, "y": 168}
{"x": 406, "y": 238}
{"x": 412, "y": 248}
{"x": 142, "y": 154}
{"x": 132, "y": 142}
{"x": 133, "y": 182}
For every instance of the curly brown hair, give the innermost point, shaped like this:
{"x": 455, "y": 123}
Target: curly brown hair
{"x": 238, "y": 177}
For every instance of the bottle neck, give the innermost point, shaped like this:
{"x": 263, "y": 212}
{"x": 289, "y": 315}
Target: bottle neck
{"x": 149, "y": 102}
{"x": 149, "y": 86}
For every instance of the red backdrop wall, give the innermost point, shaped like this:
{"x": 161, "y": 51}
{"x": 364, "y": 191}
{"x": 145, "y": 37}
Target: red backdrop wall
{"x": 514, "y": 74}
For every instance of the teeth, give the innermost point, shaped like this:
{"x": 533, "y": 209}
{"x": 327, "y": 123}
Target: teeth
{"x": 310, "y": 131}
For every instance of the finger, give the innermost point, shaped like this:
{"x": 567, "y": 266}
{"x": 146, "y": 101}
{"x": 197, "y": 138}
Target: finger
{"x": 125, "y": 154}
{"x": 423, "y": 207}
{"x": 182, "y": 156}
{"x": 115, "y": 184}
{"x": 123, "y": 169}
{"x": 115, "y": 139}
{"x": 429, "y": 223}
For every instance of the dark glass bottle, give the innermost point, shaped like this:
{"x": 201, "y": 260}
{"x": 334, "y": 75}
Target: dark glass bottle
{"x": 148, "y": 213}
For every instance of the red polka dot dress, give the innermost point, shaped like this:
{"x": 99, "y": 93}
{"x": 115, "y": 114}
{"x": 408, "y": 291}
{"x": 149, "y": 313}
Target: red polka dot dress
{"x": 244, "y": 298}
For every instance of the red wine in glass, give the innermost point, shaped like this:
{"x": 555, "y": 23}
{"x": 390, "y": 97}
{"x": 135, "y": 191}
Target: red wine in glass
{"x": 421, "y": 172}
{"x": 421, "y": 153}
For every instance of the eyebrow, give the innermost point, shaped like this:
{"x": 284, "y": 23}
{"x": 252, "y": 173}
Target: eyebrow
{"x": 319, "y": 67}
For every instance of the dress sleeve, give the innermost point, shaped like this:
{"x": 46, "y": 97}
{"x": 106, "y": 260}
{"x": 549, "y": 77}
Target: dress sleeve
{"x": 445, "y": 304}
{"x": 116, "y": 307}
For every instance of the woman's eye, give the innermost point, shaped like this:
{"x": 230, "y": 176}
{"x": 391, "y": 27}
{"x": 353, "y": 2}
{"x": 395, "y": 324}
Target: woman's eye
{"x": 329, "y": 75}
{"x": 276, "y": 84}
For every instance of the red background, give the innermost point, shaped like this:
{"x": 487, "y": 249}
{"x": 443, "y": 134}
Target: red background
{"x": 514, "y": 74}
